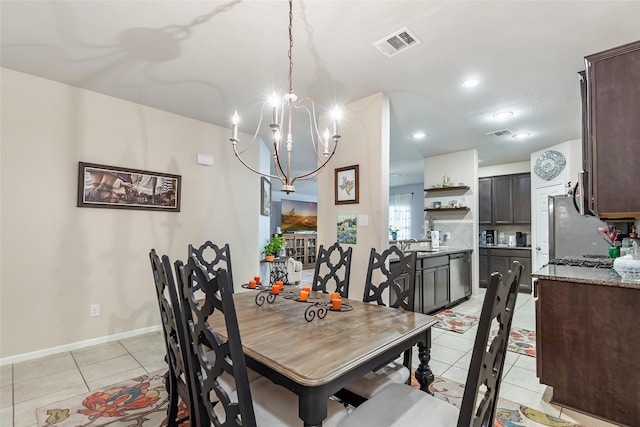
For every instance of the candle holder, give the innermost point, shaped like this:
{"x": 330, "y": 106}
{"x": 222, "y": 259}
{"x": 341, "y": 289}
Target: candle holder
{"x": 265, "y": 295}
{"x": 320, "y": 309}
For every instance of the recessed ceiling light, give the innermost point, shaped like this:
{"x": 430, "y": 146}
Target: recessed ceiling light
{"x": 471, "y": 83}
{"x": 419, "y": 135}
{"x": 521, "y": 135}
{"x": 502, "y": 115}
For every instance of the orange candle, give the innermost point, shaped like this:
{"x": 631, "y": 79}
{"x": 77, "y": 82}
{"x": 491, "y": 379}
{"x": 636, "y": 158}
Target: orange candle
{"x": 257, "y": 279}
{"x": 304, "y": 295}
{"x": 336, "y": 303}
{"x": 252, "y": 284}
{"x": 279, "y": 283}
{"x": 335, "y": 295}
{"x": 306, "y": 288}
{"x": 275, "y": 290}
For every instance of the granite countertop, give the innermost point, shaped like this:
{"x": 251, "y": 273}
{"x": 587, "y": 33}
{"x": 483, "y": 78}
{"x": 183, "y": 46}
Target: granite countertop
{"x": 444, "y": 250}
{"x": 503, "y": 246}
{"x": 587, "y": 275}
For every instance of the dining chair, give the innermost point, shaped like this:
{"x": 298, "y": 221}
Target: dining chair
{"x": 333, "y": 264}
{"x": 403, "y": 405}
{"x": 176, "y": 380}
{"x": 396, "y": 281}
{"x": 259, "y": 402}
{"x": 212, "y": 256}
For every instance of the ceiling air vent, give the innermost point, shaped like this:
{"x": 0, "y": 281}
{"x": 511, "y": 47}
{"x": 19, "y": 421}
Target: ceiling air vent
{"x": 501, "y": 132}
{"x": 397, "y": 42}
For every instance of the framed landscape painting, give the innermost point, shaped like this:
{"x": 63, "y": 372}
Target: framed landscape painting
{"x": 265, "y": 199}
{"x": 102, "y": 186}
{"x": 347, "y": 185}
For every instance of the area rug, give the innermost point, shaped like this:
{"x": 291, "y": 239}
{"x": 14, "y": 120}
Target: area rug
{"x": 450, "y": 320}
{"x": 508, "y": 413}
{"x": 521, "y": 341}
{"x": 140, "y": 401}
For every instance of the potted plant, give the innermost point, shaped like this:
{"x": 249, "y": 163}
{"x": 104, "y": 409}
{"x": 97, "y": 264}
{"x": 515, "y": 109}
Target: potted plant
{"x": 394, "y": 232}
{"x": 275, "y": 244}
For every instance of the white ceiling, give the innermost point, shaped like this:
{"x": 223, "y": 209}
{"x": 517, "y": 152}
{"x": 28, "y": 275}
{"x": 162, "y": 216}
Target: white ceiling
{"x": 205, "y": 59}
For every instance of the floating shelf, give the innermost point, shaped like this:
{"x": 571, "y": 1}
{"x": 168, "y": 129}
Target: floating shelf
{"x": 457, "y": 188}
{"x": 446, "y": 209}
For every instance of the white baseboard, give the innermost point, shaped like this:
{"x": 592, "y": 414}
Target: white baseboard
{"x": 77, "y": 345}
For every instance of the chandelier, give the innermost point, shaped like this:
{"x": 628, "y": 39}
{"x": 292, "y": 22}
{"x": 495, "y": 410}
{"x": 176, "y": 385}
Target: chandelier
{"x": 324, "y": 146}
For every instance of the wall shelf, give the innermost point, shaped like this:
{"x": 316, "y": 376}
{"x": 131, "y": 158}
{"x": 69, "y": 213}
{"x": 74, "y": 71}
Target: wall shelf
{"x": 440, "y": 189}
{"x": 465, "y": 209}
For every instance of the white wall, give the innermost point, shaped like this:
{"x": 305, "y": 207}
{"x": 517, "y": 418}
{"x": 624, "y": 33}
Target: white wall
{"x": 505, "y": 169}
{"x": 460, "y": 167}
{"x": 57, "y": 259}
{"x": 364, "y": 142}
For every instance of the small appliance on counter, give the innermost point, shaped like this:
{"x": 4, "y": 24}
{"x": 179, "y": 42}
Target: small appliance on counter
{"x": 435, "y": 239}
{"x": 490, "y": 237}
{"x": 521, "y": 239}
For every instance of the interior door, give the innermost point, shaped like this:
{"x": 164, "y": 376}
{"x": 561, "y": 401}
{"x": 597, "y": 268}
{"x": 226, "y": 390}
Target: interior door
{"x": 541, "y": 253}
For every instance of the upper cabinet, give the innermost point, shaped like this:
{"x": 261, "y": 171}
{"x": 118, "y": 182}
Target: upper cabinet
{"x": 612, "y": 139}
{"x": 504, "y": 199}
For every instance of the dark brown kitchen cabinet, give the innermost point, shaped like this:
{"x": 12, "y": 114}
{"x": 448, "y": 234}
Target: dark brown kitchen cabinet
{"x": 484, "y": 201}
{"x": 500, "y": 260}
{"x": 613, "y": 131}
{"x": 522, "y": 199}
{"x": 504, "y": 199}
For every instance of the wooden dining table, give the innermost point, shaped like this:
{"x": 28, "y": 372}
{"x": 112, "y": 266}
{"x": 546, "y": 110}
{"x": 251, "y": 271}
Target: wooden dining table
{"x": 316, "y": 359}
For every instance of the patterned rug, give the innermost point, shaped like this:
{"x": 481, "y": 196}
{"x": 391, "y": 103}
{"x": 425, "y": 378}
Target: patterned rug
{"x": 450, "y": 320}
{"x": 521, "y": 341}
{"x": 508, "y": 413}
{"x": 140, "y": 401}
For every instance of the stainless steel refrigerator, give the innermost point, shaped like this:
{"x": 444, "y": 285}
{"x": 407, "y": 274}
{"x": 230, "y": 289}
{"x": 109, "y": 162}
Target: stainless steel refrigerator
{"x": 572, "y": 235}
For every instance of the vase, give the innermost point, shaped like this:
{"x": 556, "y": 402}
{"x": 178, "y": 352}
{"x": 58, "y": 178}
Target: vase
{"x": 614, "y": 252}
{"x": 269, "y": 257}
{"x": 394, "y": 236}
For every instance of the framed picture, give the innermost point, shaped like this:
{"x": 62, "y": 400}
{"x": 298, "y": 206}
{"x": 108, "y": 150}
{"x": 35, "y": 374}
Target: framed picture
{"x": 101, "y": 186}
{"x": 265, "y": 199}
{"x": 347, "y": 185}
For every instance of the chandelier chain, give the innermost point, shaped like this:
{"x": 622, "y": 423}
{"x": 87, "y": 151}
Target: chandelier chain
{"x": 290, "y": 46}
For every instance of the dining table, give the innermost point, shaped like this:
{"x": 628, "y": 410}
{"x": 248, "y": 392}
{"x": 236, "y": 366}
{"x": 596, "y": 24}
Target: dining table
{"x": 315, "y": 359}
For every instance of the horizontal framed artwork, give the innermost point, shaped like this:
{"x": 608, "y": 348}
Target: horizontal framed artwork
{"x": 102, "y": 186}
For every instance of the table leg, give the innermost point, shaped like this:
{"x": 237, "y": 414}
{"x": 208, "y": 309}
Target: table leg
{"x": 312, "y": 406}
{"x": 424, "y": 375}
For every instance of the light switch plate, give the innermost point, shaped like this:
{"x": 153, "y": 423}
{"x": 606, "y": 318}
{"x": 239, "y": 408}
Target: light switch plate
{"x": 204, "y": 159}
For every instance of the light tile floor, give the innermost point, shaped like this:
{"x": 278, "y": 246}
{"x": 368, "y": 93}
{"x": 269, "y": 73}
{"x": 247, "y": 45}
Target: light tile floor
{"x": 29, "y": 385}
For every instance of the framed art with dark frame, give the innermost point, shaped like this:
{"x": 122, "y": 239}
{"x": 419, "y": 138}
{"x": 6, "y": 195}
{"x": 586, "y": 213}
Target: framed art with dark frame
{"x": 347, "y": 185}
{"x": 265, "y": 199}
{"x": 102, "y": 186}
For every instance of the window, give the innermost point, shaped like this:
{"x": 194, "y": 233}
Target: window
{"x": 400, "y": 214}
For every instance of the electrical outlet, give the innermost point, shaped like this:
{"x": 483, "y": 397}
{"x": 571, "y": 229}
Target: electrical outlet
{"x": 94, "y": 310}
{"x": 447, "y": 236}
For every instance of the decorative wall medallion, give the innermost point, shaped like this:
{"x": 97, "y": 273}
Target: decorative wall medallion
{"x": 549, "y": 165}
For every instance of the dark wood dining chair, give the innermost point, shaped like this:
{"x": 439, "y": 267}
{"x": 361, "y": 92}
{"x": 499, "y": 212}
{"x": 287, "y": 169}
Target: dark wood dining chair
{"x": 259, "y": 402}
{"x": 177, "y": 348}
{"x": 333, "y": 265}
{"x": 396, "y": 280}
{"x": 212, "y": 257}
{"x": 402, "y": 405}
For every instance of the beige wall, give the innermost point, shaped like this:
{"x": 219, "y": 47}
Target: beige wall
{"x": 57, "y": 259}
{"x": 364, "y": 142}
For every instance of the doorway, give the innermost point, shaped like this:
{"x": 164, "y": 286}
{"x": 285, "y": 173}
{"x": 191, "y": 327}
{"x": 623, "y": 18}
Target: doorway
{"x": 541, "y": 244}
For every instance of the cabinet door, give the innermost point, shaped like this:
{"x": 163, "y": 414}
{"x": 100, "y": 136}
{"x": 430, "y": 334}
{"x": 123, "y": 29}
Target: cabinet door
{"x": 442, "y": 286}
{"x": 502, "y": 200}
{"x": 500, "y": 263}
{"x": 310, "y": 252}
{"x": 613, "y": 89}
{"x": 428, "y": 290}
{"x": 484, "y": 272}
{"x": 484, "y": 201}
{"x": 522, "y": 199}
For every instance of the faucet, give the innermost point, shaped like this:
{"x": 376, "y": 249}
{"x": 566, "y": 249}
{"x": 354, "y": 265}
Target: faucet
{"x": 405, "y": 244}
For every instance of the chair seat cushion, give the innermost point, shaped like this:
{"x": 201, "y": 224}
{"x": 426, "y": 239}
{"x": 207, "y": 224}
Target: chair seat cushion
{"x": 371, "y": 383}
{"x": 400, "y": 405}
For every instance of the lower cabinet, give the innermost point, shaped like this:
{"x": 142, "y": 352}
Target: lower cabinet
{"x": 500, "y": 260}
{"x": 433, "y": 283}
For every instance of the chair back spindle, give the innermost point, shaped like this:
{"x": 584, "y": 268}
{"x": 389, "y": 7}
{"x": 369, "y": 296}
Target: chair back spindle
{"x": 333, "y": 264}
{"x": 398, "y": 278}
